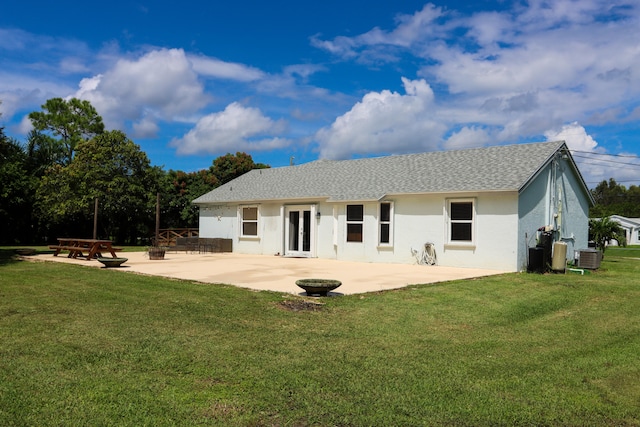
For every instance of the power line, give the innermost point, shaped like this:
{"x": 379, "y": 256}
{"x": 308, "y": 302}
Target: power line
{"x": 608, "y": 161}
{"x": 618, "y": 181}
{"x": 593, "y": 160}
{"x": 609, "y": 167}
{"x": 633, "y": 156}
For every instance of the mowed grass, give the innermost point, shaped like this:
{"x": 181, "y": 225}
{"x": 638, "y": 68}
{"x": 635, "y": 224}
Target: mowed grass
{"x": 84, "y": 346}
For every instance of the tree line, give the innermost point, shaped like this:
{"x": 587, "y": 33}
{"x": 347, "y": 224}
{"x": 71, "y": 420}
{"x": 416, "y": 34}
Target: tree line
{"x": 615, "y": 199}
{"x": 51, "y": 181}
{"x": 612, "y": 198}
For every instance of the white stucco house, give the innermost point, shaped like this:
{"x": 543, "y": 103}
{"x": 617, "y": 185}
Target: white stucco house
{"x": 477, "y": 207}
{"x": 631, "y": 227}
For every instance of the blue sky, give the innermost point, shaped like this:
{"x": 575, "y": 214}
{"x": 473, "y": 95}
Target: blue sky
{"x": 191, "y": 81}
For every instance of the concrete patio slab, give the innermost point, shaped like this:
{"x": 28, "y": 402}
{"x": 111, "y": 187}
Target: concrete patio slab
{"x": 279, "y": 274}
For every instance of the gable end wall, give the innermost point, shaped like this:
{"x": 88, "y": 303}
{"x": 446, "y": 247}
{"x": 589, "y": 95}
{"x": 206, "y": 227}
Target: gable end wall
{"x": 543, "y": 199}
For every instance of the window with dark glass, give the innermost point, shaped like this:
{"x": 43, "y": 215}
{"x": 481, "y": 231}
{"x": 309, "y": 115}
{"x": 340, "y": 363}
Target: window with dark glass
{"x": 250, "y": 221}
{"x": 355, "y": 220}
{"x": 461, "y": 217}
{"x": 384, "y": 222}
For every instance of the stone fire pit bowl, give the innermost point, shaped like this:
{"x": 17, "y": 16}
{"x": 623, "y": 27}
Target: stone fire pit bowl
{"x": 26, "y": 251}
{"x": 112, "y": 262}
{"x": 318, "y": 286}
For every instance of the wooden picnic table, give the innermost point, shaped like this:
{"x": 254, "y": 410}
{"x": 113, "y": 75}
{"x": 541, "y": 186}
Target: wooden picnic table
{"x": 94, "y": 248}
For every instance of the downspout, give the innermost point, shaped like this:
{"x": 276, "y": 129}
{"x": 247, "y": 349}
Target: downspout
{"x": 554, "y": 199}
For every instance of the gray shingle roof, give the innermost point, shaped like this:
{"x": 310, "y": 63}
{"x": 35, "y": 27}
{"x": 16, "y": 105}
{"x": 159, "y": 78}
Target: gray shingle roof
{"x": 496, "y": 168}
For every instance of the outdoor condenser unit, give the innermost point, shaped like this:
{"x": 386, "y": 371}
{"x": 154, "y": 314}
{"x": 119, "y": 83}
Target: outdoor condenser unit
{"x": 589, "y": 258}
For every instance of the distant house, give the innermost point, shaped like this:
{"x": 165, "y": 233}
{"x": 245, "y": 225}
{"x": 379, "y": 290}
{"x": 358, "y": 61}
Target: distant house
{"x": 477, "y": 207}
{"x": 631, "y": 227}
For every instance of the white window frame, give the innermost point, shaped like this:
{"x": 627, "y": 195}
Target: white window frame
{"x": 389, "y": 223}
{"x": 242, "y": 221}
{"x": 353, "y": 222}
{"x": 450, "y": 222}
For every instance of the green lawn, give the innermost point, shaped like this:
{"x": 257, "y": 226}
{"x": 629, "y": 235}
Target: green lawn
{"x": 629, "y": 251}
{"x": 85, "y": 346}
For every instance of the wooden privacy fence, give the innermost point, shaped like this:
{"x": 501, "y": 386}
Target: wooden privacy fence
{"x": 187, "y": 239}
{"x": 201, "y": 245}
{"x": 170, "y": 236}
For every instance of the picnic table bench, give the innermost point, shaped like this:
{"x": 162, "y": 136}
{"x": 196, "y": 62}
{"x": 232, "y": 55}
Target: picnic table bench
{"x": 94, "y": 248}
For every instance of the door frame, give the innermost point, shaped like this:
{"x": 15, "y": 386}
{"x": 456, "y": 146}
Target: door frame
{"x": 286, "y": 210}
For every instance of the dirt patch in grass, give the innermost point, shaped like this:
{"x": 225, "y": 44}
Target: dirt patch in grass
{"x": 222, "y": 411}
{"x": 300, "y": 305}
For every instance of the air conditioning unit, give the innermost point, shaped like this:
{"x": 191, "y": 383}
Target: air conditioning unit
{"x": 589, "y": 258}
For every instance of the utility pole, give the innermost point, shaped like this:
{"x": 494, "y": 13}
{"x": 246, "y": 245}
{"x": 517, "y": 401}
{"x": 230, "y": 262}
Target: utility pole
{"x": 157, "y": 219}
{"x": 95, "y": 220}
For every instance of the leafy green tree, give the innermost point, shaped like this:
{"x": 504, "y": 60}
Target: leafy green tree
{"x": 43, "y": 151}
{"x": 631, "y": 208}
{"x": 113, "y": 169}
{"x": 72, "y": 121}
{"x": 179, "y": 190}
{"x": 602, "y": 230}
{"x": 615, "y": 199}
{"x": 228, "y": 167}
{"x": 609, "y": 197}
{"x": 16, "y": 192}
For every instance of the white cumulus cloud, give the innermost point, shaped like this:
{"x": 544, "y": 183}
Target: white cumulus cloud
{"x": 410, "y": 30}
{"x": 516, "y": 73}
{"x": 384, "y": 122}
{"x": 468, "y": 137}
{"x": 593, "y": 161}
{"x": 212, "y": 67}
{"x": 161, "y": 84}
{"x": 574, "y": 135}
{"x": 237, "y": 128}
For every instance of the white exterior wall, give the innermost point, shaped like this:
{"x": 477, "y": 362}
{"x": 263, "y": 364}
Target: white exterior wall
{"x": 223, "y": 221}
{"x": 417, "y": 219}
{"x": 422, "y": 218}
{"x": 496, "y": 244}
{"x": 631, "y": 228}
{"x": 633, "y": 234}
{"x": 219, "y": 221}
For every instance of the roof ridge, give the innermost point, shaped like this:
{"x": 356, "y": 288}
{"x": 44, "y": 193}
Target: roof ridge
{"x": 425, "y": 153}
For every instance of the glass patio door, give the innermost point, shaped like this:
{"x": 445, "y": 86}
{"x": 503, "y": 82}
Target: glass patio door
{"x": 298, "y": 233}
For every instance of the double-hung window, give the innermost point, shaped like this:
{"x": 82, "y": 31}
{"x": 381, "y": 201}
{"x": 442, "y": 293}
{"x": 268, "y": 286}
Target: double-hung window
{"x": 355, "y": 222}
{"x": 461, "y": 214}
{"x": 248, "y": 221}
{"x": 385, "y": 226}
